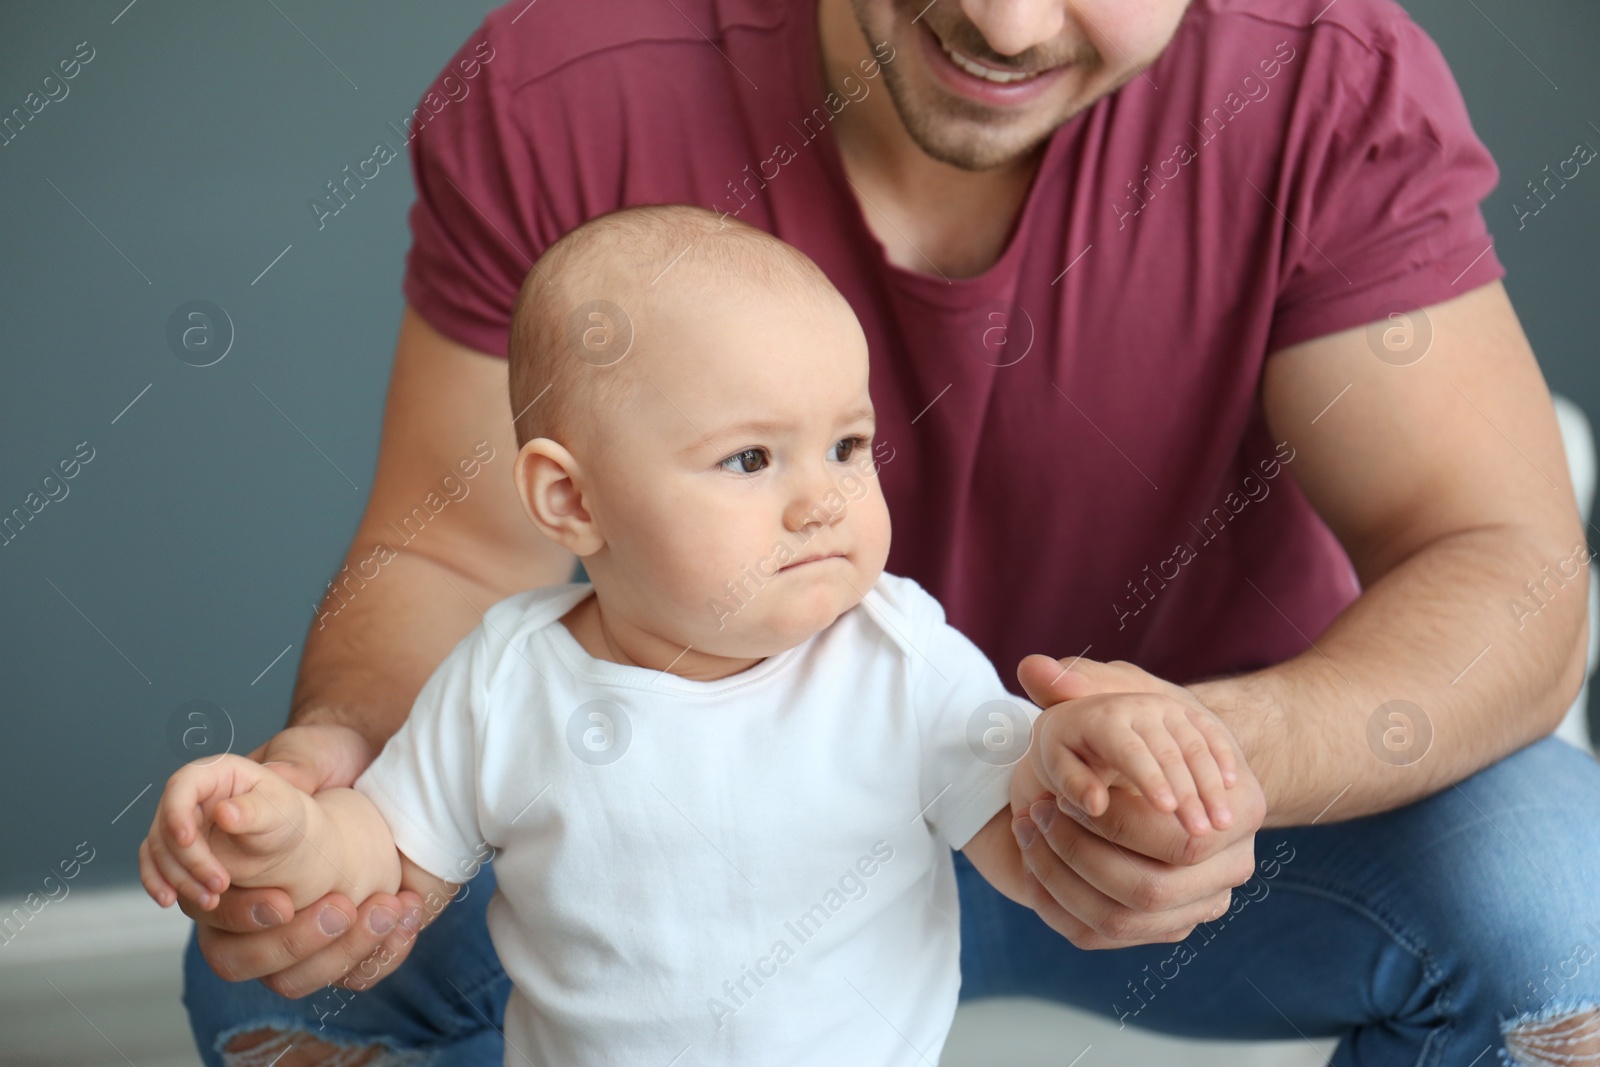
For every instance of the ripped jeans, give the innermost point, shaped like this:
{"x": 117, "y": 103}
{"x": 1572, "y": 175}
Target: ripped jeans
{"x": 1423, "y": 937}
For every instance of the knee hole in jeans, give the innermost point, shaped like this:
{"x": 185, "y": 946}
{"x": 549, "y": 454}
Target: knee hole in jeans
{"x": 296, "y": 1048}
{"x": 1570, "y": 1039}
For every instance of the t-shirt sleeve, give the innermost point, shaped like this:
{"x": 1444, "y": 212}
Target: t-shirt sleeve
{"x": 473, "y": 229}
{"x": 1385, "y": 208}
{"x": 973, "y": 731}
{"x": 425, "y": 780}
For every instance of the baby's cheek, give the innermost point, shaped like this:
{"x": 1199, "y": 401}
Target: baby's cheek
{"x": 706, "y": 567}
{"x": 876, "y": 532}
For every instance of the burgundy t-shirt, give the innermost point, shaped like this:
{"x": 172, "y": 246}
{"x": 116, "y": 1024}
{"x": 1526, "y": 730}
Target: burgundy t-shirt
{"x": 1073, "y": 449}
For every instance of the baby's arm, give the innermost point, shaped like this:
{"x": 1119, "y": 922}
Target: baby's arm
{"x": 1177, "y": 759}
{"x": 231, "y": 821}
{"x": 994, "y": 850}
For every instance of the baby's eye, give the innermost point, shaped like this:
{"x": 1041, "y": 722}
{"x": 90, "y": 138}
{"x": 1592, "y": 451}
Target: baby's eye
{"x": 846, "y": 446}
{"x": 749, "y": 461}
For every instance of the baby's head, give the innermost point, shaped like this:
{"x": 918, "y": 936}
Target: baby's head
{"x": 690, "y": 398}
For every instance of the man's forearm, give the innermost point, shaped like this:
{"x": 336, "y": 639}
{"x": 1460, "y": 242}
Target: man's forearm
{"x": 374, "y": 642}
{"x": 1438, "y": 632}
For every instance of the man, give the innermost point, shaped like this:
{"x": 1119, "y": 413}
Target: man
{"x": 1122, "y": 268}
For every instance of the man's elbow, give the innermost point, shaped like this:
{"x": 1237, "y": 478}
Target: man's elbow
{"x": 1575, "y": 668}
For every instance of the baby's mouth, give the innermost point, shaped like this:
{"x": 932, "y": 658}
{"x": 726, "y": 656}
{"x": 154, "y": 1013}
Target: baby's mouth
{"x": 820, "y": 558}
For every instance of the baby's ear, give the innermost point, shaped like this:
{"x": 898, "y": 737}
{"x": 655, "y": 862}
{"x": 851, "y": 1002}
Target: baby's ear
{"x": 550, "y": 484}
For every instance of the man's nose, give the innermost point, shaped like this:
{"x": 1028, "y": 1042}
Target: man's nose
{"x": 1011, "y": 27}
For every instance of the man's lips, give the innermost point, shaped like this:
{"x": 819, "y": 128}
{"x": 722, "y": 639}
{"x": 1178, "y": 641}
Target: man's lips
{"x": 975, "y": 87}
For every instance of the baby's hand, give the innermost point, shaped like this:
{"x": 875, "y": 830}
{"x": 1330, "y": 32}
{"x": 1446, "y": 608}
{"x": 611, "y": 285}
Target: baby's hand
{"x": 223, "y": 821}
{"x": 1175, "y": 756}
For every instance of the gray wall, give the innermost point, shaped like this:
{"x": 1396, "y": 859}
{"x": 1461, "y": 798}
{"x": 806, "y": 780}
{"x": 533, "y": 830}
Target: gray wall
{"x": 190, "y": 549}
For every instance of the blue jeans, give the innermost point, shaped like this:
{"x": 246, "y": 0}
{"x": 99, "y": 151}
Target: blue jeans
{"x": 1416, "y": 935}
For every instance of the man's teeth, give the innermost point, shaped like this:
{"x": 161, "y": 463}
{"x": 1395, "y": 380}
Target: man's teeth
{"x": 984, "y": 72}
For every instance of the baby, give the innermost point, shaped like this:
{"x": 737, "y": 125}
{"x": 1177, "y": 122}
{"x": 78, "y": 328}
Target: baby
{"x": 720, "y": 780}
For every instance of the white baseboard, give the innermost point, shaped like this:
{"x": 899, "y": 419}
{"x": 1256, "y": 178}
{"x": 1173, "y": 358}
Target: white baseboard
{"x": 88, "y": 924}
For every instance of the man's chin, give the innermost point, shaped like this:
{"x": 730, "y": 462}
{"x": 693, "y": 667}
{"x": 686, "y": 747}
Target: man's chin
{"x": 965, "y": 144}
{"x": 974, "y": 142}
{"x": 979, "y": 154}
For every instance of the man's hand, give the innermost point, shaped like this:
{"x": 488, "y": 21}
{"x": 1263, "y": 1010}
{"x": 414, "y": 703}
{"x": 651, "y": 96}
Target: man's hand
{"x": 1131, "y": 875}
{"x": 256, "y": 933}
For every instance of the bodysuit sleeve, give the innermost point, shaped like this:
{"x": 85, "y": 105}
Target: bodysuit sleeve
{"x": 425, "y": 780}
{"x": 973, "y": 731}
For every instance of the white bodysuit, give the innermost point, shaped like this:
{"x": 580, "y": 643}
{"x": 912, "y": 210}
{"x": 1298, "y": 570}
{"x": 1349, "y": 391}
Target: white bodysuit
{"x": 752, "y": 870}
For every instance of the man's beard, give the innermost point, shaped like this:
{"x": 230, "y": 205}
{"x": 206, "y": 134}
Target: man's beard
{"x": 963, "y": 133}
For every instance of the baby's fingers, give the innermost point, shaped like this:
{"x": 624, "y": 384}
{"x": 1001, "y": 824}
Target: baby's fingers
{"x": 253, "y": 820}
{"x": 1069, "y": 776}
{"x": 1130, "y": 755}
{"x": 1221, "y": 743}
{"x": 1173, "y": 777}
{"x": 1203, "y": 767}
{"x": 181, "y": 823}
{"x": 159, "y": 888}
{"x": 178, "y": 876}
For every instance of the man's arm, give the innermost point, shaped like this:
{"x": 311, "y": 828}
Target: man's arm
{"x": 374, "y": 642}
{"x": 381, "y": 631}
{"x": 1447, "y": 485}
{"x": 1446, "y": 482}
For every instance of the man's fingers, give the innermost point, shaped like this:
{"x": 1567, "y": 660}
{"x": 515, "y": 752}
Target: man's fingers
{"x": 375, "y": 944}
{"x": 317, "y": 756}
{"x": 244, "y": 910}
{"x": 238, "y": 956}
{"x": 1079, "y": 869}
{"x": 1086, "y": 937}
{"x": 1066, "y": 857}
{"x": 1055, "y": 876}
{"x": 304, "y": 777}
{"x": 1054, "y": 915}
{"x": 414, "y": 917}
{"x": 1124, "y": 871}
{"x": 1047, "y": 681}
{"x": 1090, "y": 919}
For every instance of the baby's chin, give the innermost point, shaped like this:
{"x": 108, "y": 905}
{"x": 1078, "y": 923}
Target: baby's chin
{"x": 774, "y": 622}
